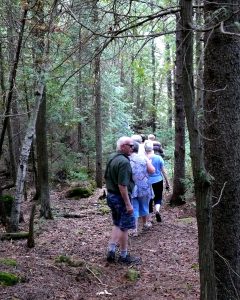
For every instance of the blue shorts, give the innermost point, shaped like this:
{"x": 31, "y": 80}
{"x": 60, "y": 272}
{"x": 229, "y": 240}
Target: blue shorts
{"x": 120, "y": 217}
{"x": 140, "y": 207}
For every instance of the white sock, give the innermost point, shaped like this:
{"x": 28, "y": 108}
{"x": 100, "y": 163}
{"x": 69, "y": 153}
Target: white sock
{"x": 157, "y": 207}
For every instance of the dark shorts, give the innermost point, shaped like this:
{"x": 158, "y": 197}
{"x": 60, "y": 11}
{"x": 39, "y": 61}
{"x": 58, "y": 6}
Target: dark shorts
{"x": 120, "y": 217}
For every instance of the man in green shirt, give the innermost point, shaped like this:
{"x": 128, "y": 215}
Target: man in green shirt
{"x": 119, "y": 184}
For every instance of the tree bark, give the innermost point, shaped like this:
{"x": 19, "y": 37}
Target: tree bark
{"x": 154, "y": 105}
{"x": 222, "y": 132}
{"x": 12, "y": 78}
{"x": 98, "y": 109}
{"x": 31, "y": 241}
{"x": 179, "y": 146}
{"x": 41, "y": 125}
{"x": 202, "y": 182}
{"x": 169, "y": 86}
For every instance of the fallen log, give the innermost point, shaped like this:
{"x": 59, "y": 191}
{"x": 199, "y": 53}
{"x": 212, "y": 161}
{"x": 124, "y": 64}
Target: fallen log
{"x": 73, "y": 216}
{"x": 14, "y": 235}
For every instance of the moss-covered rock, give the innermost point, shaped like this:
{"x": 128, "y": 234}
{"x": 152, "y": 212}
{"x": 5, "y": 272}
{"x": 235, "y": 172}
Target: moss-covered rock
{"x": 8, "y": 279}
{"x": 79, "y": 192}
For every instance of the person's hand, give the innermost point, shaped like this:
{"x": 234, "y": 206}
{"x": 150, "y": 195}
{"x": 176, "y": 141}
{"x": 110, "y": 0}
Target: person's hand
{"x": 129, "y": 209}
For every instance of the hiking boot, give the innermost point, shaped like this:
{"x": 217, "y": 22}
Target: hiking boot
{"x": 158, "y": 217}
{"x": 111, "y": 256}
{"x": 129, "y": 260}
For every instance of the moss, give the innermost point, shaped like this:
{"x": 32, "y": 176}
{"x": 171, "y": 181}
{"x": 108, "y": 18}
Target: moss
{"x": 186, "y": 220}
{"x": 132, "y": 275}
{"x": 8, "y": 262}
{"x": 8, "y": 279}
{"x": 79, "y": 192}
{"x": 62, "y": 259}
{"x": 104, "y": 209}
{"x": 195, "y": 266}
{"x": 69, "y": 261}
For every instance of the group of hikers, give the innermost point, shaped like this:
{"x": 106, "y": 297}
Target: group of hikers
{"x": 134, "y": 180}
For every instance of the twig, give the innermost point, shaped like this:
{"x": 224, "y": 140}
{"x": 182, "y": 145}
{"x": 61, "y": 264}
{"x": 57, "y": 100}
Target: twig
{"x": 220, "y": 194}
{"x": 99, "y": 280}
{"x": 227, "y": 32}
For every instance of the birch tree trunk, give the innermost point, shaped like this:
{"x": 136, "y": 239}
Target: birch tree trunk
{"x": 27, "y": 143}
{"x": 22, "y": 167}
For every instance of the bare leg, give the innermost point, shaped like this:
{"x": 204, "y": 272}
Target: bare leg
{"x": 123, "y": 240}
{"x": 115, "y": 235}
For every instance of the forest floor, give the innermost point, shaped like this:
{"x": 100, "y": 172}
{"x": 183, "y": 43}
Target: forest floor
{"x": 69, "y": 257}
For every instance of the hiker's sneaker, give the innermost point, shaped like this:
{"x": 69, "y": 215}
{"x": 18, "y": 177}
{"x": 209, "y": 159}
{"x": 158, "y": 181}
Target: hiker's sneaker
{"x": 158, "y": 217}
{"x": 147, "y": 226}
{"x": 111, "y": 256}
{"x": 133, "y": 233}
{"x": 129, "y": 260}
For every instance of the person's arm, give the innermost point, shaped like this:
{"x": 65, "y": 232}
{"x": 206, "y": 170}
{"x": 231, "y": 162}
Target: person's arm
{"x": 164, "y": 172}
{"x": 124, "y": 193}
{"x": 150, "y": 167}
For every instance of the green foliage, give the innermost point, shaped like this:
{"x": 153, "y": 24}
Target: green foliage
{"x": 81, "y": 175}
{"x": 8, "y": 262}
{"x": 195, "y": 266}
{"x": 132, "y": 275}
{"x": 68, "y": 163}
{"x": 103, "y": 208}
{"x": 63, "y": 259}
{"x": 8, "y": 279}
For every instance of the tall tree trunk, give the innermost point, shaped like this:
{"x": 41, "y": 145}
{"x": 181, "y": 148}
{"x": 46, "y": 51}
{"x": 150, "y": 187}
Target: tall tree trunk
{"x": 222, "y": 131}
{"x": 169, "y": 86}
{"x": 202, "y": 182}
{"x": 199, "y": 60}
{"x": 14, "y": 126}
{"x": 27, "y": 143}
{"x": 10, "y": 139}
{"x": 22, "y": 168}
{"x": 79, "y": 91}
{"x": 154, "y": 105}
{"x": 179, "y": 147}
{"x": 41, "y": 126}
{"x": 42, "y": 160}
{"x": 98, "y": 109}
{"x": 12, "y": 78}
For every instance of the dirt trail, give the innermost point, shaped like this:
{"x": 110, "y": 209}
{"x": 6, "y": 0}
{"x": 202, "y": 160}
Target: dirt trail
{"x": 169, "y": 268}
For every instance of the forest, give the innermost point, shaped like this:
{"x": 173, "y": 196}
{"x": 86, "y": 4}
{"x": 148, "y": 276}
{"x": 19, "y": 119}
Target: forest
{"x": 76, "y": 75}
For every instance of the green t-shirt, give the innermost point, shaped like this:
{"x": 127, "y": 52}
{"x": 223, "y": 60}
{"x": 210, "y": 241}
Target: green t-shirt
{"x": 118, "y": 171}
